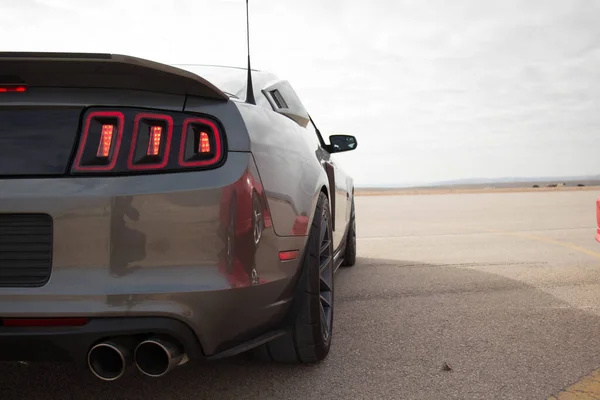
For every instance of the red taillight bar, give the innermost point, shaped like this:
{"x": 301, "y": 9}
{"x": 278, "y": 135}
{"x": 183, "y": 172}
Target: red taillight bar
{"x": 27, "y": 322}
{"x": 217, "y": 138}
{"x": 149, "y": 141}
{"x": 204, "y": 146}
{"x": 13, "y": 88}
{"x": 106, "y": 137}
{"x": 136, "y": 131}
{"x": 155, "y": 141}
{"x": 82, "y": 146}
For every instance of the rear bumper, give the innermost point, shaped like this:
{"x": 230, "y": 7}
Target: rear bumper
{"x": 158, "y": 246}
{"x": 73, "y": 343}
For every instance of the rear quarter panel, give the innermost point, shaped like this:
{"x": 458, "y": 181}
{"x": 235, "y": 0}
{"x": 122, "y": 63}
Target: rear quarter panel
{"x": 288, "y": 158}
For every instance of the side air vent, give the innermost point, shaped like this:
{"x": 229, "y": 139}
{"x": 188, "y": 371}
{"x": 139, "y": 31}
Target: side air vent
{"x": 284, "y": 100}
{"x": 278, "y": 99}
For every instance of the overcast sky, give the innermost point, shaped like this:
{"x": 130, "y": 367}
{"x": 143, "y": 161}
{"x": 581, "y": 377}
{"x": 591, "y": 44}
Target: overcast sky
{"x": 433, "y": 89}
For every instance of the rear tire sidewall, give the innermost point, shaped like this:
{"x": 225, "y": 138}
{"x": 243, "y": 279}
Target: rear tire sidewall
{"x": 308, "y": 327}
{"x": 326, "y": 213}
{"x": 305, "y": 342}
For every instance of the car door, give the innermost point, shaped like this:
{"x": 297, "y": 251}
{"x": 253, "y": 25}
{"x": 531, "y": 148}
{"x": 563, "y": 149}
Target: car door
{"x": 341, "y": 205}
{"x": 339, "y": 193}
{"x": 284, "y": 100}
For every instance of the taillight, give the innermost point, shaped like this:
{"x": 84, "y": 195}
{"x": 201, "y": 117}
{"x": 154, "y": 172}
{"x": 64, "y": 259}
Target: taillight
{"x": 149, "y": 147}
{"x": 105, "y": 140}
{"x": 155, "y": 140}
{"x": 204, "y": 143}
{"x": 99, "y": 148}
{"x": 139, "y": 141}
{"x": 200, "y": 143}
{"x": 13, "y": 88}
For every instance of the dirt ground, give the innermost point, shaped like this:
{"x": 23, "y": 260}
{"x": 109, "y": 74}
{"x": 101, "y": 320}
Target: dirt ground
{"x": 432, "y": 191}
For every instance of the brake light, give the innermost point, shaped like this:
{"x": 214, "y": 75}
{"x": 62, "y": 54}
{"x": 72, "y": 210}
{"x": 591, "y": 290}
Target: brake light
{"x": 105, "y": 141}
{"x": 13, "y": 88}
{"x": 147, "y": 138}
{"x": 204, "y": 143}
{"x": 99, "y": 147}
{"x": 148, "y": 149}
{"x": 200, "y": 143}
{"x": 154, "y": 143}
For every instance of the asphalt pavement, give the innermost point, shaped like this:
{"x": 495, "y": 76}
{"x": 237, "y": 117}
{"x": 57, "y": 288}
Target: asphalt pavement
{"x": 460, "y": 296}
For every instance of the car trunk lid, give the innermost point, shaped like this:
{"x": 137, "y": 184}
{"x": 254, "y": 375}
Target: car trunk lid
{"x": 43, "y": 95}
{"x": 37, "y": 141}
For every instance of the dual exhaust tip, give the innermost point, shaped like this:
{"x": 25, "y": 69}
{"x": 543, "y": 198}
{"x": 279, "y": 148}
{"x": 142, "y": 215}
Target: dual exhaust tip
{"x": 154, "y": 357}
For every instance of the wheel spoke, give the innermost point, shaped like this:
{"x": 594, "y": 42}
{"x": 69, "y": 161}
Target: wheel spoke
{"x": 324, "y": 262}
{"x": 323, "y": 233}
{"x": 325, "y": 302}
{"x": 325, "y": 246}
{"x": 325, "y": 285}
{"x": 324, "y": 322}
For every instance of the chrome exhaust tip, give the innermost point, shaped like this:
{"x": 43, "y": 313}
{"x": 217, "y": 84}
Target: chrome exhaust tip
{"x": 108, "y": 360}
{"x": 155, "y": 357}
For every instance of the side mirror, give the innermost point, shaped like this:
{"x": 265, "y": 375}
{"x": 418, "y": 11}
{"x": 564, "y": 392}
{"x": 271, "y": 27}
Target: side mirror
{"x": 340, "y": 143}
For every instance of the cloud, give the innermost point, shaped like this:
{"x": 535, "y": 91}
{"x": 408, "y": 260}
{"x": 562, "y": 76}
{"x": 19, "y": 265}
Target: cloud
{"x": 432, "y": 89}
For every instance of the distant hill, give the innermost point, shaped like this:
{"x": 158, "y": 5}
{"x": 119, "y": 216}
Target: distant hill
{"x": 493, "y": 181}
{"x": 508, "y": 182}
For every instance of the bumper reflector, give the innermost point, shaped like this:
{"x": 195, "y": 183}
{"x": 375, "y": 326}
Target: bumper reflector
{"x": 27, "y": 322}
{"x": 288, "y": 255}
{"x": 598, "y": 219}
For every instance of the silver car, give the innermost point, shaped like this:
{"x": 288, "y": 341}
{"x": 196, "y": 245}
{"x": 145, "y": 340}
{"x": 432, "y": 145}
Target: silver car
{"x": 150, "y": 215}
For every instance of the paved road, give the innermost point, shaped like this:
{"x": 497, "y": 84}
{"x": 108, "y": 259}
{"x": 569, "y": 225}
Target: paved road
{"x": 505, "y": 288}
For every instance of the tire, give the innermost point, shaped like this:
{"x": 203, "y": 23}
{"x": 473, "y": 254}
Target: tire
{"x": 309, "y": 338}
{"x": 350, "y": 251}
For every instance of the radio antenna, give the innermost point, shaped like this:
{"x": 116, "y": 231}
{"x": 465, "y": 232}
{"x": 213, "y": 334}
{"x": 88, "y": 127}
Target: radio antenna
{"x": 250, "y": 90}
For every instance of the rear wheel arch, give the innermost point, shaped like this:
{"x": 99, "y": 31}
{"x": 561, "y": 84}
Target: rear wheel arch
{"x": 304, "y": 341}
{"x": 330, "y": 172}
{"x": 350, "y": 246}
{"x": 326, "y": 192}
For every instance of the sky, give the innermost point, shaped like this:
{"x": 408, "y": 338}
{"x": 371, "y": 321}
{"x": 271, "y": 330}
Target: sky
{"x": 433, "y": 90}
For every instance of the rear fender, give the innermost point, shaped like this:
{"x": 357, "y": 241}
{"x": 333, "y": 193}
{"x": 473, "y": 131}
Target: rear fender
{"x": 289, "y": 167}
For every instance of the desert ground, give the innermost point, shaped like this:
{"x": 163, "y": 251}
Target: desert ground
{"x": 491, "y": 295}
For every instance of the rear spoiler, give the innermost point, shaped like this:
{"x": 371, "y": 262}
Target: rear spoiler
{"x": 103, "y": 71}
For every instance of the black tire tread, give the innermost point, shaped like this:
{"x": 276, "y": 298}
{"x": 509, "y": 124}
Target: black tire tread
{"x": 304, "y": 343}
